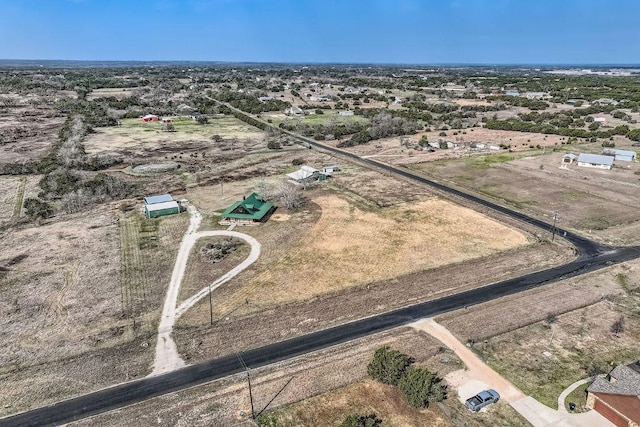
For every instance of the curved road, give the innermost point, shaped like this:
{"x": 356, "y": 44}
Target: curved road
{"x": 593, "y": 256}
{"x": 167, "y": 357}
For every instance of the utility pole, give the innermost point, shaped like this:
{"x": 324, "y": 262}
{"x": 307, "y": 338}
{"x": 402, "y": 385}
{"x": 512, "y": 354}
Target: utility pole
{"x": 210, "y": 306}
{"x": 253, "y": 412}
{"x": 553, "y": 230}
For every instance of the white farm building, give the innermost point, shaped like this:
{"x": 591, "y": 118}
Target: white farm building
{"x": 622, "y": 155}
{"x": 595, "y": 161}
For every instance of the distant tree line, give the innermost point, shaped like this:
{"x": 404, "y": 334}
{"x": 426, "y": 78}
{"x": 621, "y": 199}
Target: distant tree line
{"x": 520, "y": 101}
{"x": 525, "y": 126}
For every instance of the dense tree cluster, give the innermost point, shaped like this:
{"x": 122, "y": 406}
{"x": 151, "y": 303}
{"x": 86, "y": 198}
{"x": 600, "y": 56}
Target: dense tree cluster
{"x": 382, "y": 125}
{"x": 419, "y": 386}
{"x": 250, "y": 103}
{"x": 520, "y": 101}
{"x": 337, "y": 129}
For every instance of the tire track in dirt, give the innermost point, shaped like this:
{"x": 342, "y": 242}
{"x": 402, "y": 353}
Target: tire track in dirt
{"x": 53, "y": 306}
{"x": 17, "y": 207}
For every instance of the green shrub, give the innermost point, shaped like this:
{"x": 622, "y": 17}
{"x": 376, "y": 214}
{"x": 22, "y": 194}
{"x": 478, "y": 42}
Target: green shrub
{"x": 266, "y": 420}
{"x": 357, "y": 420}
{"x": 388, "y": 365}
{"x": 421, "y": 387}
{"x": 36, "y": 208}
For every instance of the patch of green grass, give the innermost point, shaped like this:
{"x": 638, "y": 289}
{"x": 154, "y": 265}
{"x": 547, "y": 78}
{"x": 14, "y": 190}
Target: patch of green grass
{"x": 577, "y": 396}
{"x": 544, "y": 378}
{"x": 572, "y": 194}
{"x": 491, "y": 191}
{"x": 486, "y": 161}
{"x": 623, "y": 281}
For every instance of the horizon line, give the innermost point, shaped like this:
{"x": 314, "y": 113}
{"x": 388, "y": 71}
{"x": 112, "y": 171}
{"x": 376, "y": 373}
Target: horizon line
{"x": 245, "y": 62}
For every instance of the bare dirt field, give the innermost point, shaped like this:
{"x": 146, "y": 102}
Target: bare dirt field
{"x": 79, "y": 310}
{"x": 546, "y": 339}
{"x": 586, "y": 199}
{"x": 27, "y": 133}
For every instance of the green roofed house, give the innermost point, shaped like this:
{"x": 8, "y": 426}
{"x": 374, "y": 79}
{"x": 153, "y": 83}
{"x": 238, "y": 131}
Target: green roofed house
{"x": 249, "y": 211}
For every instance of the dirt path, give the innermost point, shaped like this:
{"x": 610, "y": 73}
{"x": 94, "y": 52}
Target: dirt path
{"x": 167, "y": 357}
{"x": 478, "y": 376}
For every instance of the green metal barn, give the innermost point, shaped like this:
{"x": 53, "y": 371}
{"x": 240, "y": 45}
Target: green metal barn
{"x": 161, "y": 209}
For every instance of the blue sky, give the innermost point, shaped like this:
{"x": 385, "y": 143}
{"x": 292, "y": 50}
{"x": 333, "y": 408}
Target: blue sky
{"x": 345, "y": 31}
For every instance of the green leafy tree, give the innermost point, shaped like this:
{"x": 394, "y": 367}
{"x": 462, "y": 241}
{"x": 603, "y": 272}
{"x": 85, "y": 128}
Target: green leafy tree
{"x": 421, "y": 387}
{"x": 634, "y": 135}
{"x": 388, "y": 365}
{"x": 357, "y": 420}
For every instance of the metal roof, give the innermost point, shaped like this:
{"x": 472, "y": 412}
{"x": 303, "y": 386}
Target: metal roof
{"x": 158, "y": 199}
{"x": 619, "y": 152}
{"x": 595, "y": 159}
{"x": 303, "y": 173}
{"x": 252, "y": 207}
{"x": 163, "y": 205}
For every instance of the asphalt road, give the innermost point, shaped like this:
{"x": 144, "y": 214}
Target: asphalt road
{"x": 140, "y": 390}
{"x": 592, "y": 257}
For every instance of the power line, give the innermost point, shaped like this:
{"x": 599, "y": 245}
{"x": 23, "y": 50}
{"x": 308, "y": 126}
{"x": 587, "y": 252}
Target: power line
{"x": 253, "y": 412}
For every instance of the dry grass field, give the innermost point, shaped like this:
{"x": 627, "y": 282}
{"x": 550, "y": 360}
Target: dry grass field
{"x": 148, "y": 248}
{"x": 586, "y": 199}
{"x": 116, "y": 92}
{"x": 12, "y": 190}
{"x": 27, "y": 132}
{"x": 368, "y": 397}
{"x": 200, "y": 273}
{"x": 148, "y": 139}
{"x": 325, "y": 386}
{"x": 221, "y": 402}
{"x": 70, "y": 290}
{"x": 363, "y": 246}
{"x": 546, "y": 339}
{"x": 388, "y": 403}
{"x": 390, "y": 150}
